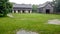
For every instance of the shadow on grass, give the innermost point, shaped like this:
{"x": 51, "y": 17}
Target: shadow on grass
{"x": 2, "y": 16}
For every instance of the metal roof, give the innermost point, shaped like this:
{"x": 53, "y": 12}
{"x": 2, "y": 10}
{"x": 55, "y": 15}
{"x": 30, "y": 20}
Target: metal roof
{"x": 22, "y": 5}
{"x": 43, "y": 5}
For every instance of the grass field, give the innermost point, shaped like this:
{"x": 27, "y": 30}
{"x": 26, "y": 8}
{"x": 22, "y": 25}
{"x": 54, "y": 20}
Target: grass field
{"x": 30, "y": 22}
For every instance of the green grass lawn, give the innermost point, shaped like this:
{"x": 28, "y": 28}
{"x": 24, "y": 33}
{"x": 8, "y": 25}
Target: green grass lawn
{"x": 30, "y": 22}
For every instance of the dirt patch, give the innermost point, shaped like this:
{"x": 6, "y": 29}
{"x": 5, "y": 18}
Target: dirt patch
{"x": 54, "y": 21}
{"x": 25, "y": 32}
{"x": 10, "y": 15}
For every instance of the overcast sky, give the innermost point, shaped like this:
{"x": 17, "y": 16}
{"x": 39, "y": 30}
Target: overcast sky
{"x": 29, "y": 1}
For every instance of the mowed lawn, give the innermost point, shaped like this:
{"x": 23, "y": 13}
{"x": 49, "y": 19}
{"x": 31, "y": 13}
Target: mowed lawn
{"x": 30, "y": 22}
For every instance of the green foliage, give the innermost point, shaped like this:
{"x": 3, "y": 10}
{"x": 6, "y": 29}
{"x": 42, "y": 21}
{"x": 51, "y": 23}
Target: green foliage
{"x": 5, "y": 7}
{"x": 56, "y": 5}
{"x": 34, "y": 9}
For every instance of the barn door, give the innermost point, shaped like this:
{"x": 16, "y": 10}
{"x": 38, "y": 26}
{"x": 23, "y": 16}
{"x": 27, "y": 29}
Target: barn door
{"x": 47, "y": 11}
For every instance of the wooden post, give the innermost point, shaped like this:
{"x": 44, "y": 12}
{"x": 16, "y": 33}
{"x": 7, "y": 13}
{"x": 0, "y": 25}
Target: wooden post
{"x": 30, "y": 11}
{"x": 16, "y": 11}
{"x": 26, "y": 11}
{"x": 13, "y": 11}
{"x": 21, "y": 11}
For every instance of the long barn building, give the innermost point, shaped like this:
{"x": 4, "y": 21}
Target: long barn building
{"x": 22, "y": 8}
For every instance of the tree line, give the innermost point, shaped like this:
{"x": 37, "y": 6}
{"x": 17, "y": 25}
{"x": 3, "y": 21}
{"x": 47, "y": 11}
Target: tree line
{"x": 56, "y": 6}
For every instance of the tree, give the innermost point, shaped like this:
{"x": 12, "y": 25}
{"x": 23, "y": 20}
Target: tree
{"x": 56, "y": 5}
{"x": 5, "y": 7}
{"x": 34, "y": 9}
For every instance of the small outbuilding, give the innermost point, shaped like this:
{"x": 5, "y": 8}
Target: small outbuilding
{"x": 46, "y": 8}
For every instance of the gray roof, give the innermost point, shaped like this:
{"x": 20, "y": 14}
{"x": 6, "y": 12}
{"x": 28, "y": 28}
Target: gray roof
{"x": 43, "y": 5}
{"x": 22, "y": 5}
